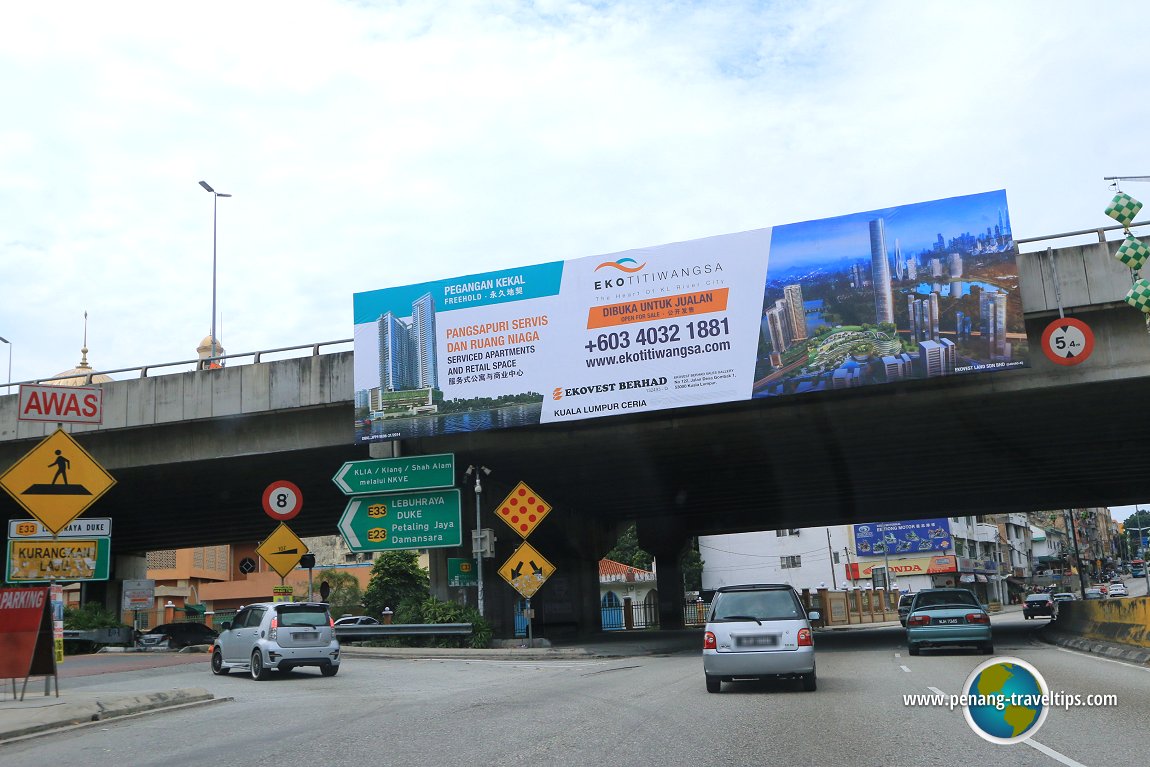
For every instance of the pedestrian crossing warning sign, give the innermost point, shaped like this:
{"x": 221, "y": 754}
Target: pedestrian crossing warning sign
{"x": 56, "y": 481}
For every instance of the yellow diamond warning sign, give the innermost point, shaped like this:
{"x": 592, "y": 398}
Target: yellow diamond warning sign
{"x": 523, "y": 509}
{"x": 56, "y": 481}
{"x": 526, "y": 570}
{"x": 282, "y": 550}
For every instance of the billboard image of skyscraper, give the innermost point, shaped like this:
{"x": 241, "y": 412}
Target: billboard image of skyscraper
{"x": 880, "y": 272}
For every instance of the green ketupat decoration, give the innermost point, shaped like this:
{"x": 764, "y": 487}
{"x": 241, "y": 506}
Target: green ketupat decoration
{"x": 1123, "y": 208}
{"x": 1133, "y": 252}
{"x": 1139, "y": 295}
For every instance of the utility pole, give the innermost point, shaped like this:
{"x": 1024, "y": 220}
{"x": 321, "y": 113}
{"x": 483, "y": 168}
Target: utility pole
{"x": 831, "y": 553}
{"x": 1077, "y": 554}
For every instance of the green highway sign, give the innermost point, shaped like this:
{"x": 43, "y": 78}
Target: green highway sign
{"x": 461, "y": 572}
{"x": 40, "y": 560}
{"x": 398, "y": 521}
{"x": 386, "y": 475}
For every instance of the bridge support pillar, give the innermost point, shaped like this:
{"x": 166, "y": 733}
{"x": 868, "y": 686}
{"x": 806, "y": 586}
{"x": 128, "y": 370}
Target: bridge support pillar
{"x": 666, "y": 539}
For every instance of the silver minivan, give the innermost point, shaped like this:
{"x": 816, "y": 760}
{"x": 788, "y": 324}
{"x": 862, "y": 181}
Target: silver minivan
{"x": 758, "y": 631}
{"x": 280, "y": 636}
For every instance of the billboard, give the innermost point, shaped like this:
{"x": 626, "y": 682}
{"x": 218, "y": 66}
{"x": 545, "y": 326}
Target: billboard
{"x": 911, "y": 292}
{"x": 886, "y": 538}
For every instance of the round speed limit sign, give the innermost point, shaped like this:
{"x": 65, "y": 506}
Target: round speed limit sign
{"x": 1067, "y": 341}
{"x": 282, "y": 500}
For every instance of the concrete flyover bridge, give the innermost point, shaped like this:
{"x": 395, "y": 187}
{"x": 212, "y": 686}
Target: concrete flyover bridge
{"x": 192, "y": 450}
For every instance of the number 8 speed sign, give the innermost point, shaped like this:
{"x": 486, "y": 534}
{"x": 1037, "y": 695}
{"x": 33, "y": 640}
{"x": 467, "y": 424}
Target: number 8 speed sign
{"x": 282, "y": 500}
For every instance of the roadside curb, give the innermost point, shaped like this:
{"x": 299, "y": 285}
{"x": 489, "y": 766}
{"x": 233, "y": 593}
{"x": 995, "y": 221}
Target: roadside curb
{"x": 434, "y": 653}
{"x": 1140, "y": 655}
{"x": 41, "y": 717}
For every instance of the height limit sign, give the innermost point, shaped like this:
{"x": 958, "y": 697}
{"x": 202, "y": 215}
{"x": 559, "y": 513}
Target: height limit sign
{"x": 1067, "y": 341}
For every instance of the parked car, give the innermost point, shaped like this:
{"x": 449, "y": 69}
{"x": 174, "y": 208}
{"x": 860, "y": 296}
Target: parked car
{"x": 758, "y": 631}
{"x": 277, "y": 636}
{"x": 1094, "y": 593}
{"x": 1118, "y": 589}
{"x": 1037, "y": 605}
{"x": 1063, "y": 596}
{"x": 357, "y": 620}
{"x": 173, "y": 636}
{"x": 904, "y": 607}
{"x": 940, "y": 617}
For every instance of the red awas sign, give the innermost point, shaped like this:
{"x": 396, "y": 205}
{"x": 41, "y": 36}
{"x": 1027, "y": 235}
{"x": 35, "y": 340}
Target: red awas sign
{"x": 25, "y": 633}
{"x": 61, "y": 404}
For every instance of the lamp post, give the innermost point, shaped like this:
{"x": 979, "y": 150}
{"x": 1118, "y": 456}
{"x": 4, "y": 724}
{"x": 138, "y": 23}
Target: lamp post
{"x": 477, "y": 548}
{"x": 8, "y": 386}
{"x": 215, "y": 200}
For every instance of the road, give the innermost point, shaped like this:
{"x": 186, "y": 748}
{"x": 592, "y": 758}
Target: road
{"x": 643, "y": 710}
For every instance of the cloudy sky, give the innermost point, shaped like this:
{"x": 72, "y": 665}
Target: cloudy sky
{"x": 373, "y": 144}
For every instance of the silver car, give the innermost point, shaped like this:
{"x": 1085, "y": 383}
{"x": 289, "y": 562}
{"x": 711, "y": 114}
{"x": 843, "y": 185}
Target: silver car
{"x": 758, "y": 631}
{"x": 277, "y": 636}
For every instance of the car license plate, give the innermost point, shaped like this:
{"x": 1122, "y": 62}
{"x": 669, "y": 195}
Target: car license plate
{"x": 948, "y": 621}
{"x": 763, "y": 640}
{"x": 305, "y": 635}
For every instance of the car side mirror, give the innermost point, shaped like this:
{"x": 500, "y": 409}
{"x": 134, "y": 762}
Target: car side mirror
{"x": 225, "y": 625}
{"x": 814, "y": 615}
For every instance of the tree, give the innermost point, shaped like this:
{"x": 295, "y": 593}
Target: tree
{"x": 691, "y": 564}
{"x": 346, "y": 596}
{"x": 627, "y": 551}
{"x": 396, "y": 578}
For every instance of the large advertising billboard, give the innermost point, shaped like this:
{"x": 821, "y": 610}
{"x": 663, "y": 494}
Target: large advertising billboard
{"x": 911, "y": 292}
{"x": 886, "y": 538}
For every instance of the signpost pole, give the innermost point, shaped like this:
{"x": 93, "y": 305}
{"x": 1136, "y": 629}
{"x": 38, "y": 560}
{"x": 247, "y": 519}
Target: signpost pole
{"x": 530, "y": 617}
{"x": 479, "y": 541}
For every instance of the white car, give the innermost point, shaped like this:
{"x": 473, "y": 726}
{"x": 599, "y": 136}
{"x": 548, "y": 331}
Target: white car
{"x": 277, "y": 636}
{"x": 1118, "y": 589}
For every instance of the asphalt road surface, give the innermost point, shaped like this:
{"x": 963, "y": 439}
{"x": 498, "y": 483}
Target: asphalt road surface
{"x": 643, "y": 710}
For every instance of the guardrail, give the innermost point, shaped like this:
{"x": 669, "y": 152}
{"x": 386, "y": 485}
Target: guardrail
{"x": 197, "y": 364}
{"x": 379, "y": 631}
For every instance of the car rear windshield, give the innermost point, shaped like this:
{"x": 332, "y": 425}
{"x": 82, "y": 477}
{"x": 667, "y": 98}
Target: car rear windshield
{"x": 1037, "y": 598}
{"x": 302, "y": 616}
{"x": 940, "y": 598}
{"x": 761, "y": 605}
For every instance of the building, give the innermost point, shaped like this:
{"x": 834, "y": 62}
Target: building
{"x": 779, "y": 326}
{"x": 880, "y": 273}
{"x": 628, "y": 597}
{"x": 793, "y": 295}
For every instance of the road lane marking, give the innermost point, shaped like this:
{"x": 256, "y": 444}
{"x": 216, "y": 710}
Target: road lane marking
{"x": 1053, "y": 754}
{"x": 936, "y": 691}
{"x": 1108, "y": 660}
{"x": 904, "y": 668}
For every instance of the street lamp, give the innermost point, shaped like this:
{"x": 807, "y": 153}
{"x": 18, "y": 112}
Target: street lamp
{"x": 8, "y": 387}
{"x": 477, "y": 547}
{"x": 215, "y": 200}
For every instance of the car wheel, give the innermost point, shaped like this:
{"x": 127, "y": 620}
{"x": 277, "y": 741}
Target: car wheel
{"x": 988, "y": 649}
{"x": 810, "y": 683}
{"x": 1027, "y": 617}
{"x": 259, "y": 672}
{"x": 913, "y": 649}
{"x": 218, "y": 664}
{"x": 714, "y": 684}
{"x": 329, "y": 670}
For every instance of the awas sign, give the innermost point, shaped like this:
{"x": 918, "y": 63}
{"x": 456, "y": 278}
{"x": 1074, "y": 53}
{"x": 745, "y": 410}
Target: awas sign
{"x": 61, "y": 404}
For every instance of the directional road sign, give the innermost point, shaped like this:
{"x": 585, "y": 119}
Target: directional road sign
{"x": 36, "y": 560}
{"x": 282, "y": 500}
{"x": 385, "y": 475}
{"x": 282, "y": 550}
{"x": 461, "y": 572}
{"x": 56, "y": 480}
{"x": 398, "y": 521}
{"x": 85, "y": 527}
{"x": 526, "y": 570}
{"x": 523, "y": 509}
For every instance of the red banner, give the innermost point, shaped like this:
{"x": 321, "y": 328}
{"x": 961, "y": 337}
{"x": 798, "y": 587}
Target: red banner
{"x": 24, "y": 616}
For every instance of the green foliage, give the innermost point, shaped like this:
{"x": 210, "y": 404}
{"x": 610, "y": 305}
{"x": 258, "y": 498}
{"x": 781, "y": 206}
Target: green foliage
{"x": 432, "y": 610}
{"x": 91, "y": 616}
{"x": 346, "y": 596}
{"x": 396, "y": 579}
{"x": 627, "y": 550}
{"x": 691, "y": 564}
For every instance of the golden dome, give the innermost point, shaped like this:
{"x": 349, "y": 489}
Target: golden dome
{"x": 78, "y": 376}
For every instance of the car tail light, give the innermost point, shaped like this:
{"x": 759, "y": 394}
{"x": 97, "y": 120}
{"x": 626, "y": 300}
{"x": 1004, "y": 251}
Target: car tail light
{"x": 709, "y": 642}
{"x": 273, "y": 630}
{"x": 918, "y": 620}
{"x": 805, "y": 639}
{"x": 331, "y": 621}
{"x": 977, "y": 618}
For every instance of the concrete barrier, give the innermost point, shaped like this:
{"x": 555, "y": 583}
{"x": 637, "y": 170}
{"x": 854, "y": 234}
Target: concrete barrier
{"x": 1124, "y": 621}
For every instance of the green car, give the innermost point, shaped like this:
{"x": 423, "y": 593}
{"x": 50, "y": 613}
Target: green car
{"x": 947, "y": 617}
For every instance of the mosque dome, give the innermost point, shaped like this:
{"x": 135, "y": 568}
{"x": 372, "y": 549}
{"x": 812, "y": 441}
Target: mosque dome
{"x": 78, "y": 376}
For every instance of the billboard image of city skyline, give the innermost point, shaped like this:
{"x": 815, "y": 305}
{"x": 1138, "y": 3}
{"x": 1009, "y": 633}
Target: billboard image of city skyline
{"x": 910, "y": 292}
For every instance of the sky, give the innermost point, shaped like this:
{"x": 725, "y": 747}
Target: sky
{"x": 375, "y": 144}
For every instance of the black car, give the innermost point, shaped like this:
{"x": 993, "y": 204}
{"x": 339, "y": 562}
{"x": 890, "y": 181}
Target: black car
{"x": 904, "y": 607}
{"x": 1038, "y": 605}
{"x": 176, "y": 635}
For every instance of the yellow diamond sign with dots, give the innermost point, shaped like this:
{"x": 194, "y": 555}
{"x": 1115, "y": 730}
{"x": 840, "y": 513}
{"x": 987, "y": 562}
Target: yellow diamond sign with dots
{"x": 523, "y": 509}
{"x": 56, "y": 481}
{"x": 282, "y": 550}
{"x": 526, "y": 570}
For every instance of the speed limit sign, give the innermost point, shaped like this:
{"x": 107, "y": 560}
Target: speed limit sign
{"x": 282, "y": 500}
{"x": 1067, "y": 341}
